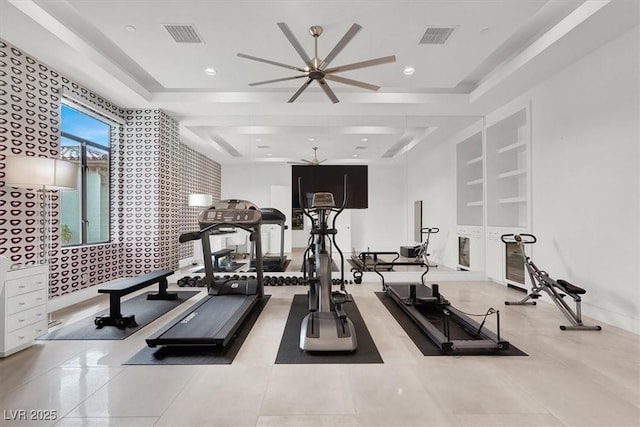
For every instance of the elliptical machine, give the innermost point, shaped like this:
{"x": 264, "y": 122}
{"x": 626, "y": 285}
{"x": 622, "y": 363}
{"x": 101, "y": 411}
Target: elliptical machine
{"x": 326, "y": 327}
{"x": 540, "y": 281}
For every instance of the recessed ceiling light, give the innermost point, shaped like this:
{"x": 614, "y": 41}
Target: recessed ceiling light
{"x": 130, "y": 28}
{"x": 258, "y": 139}
{"x": 311, "y": 139}
{"x": 269, "y": 154}
{"x": 210, "y": 71}
{"x": 364, "y": 139}
{"x": 408, "y": 71}
{"x": 355, "y": 155}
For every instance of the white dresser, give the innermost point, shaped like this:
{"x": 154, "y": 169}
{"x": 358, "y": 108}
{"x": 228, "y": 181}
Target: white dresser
{"x": 23, "y": 295}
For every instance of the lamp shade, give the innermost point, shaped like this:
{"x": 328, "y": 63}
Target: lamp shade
{"x": 40, "y": 172}
{"x": 202, "y": 200}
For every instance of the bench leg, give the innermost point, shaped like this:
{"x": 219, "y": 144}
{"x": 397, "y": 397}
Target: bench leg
{"x": 115, "y": 317}
{"x": 162, "y": 292}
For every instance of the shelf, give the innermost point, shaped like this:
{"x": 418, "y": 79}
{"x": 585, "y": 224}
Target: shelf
{"x": 512, "y": 173}
{"x": 512, "y": 200}
{"x": 475, "y": 160}
{"x": 480, "y": 203}
{"x": 475, "y": 181}
{"x": 511, "y": 147}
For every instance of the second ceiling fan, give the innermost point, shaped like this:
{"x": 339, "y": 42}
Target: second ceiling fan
{"x": 317, "y": 69}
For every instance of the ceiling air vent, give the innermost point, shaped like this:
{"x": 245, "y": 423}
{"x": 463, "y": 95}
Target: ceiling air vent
{"x": 437, "y": 35}
{"x": 183, "y": 33}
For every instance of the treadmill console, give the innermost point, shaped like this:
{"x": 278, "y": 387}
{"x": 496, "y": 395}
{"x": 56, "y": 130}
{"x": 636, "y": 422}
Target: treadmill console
{"x": 323, "y": 200}
{"x": 231, "y": 212}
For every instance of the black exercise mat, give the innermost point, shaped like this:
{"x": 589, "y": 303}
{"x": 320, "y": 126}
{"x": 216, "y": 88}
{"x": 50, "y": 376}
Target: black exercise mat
{"x": 200, "y": 355}
{"x": 334, "y": 266}
{"x": 146, "y": 311}
{"x": 290, "y": 353}
{"x": 422, "y": 341}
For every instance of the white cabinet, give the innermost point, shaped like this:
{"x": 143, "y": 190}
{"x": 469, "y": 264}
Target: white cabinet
{"x": 471, "y": 248}
{"x": 23, "y": 295}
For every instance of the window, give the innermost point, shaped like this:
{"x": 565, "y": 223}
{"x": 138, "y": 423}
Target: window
{"x": 84, "y": 212}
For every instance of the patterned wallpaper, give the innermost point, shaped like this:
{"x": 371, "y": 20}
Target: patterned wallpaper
{"x": 150, "y": 176}
{"x": 199, "y": 176}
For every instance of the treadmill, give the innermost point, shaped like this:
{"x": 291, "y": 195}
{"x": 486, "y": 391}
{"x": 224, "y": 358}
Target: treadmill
{"x": 272, "y": 216}
{"x": 215, "y": 319}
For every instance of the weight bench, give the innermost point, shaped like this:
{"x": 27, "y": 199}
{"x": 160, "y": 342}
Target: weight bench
{"x": 121, "y": 287}
{"x": 222, "y": 253}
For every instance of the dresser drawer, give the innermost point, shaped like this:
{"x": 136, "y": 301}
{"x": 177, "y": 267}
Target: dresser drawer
{"x": 25, "y": 301}
{"x": 39, "y": 328}
{"x": 26, "y": 318}
{"x": 25, "y": 285}
{"x": 19, "y": 338}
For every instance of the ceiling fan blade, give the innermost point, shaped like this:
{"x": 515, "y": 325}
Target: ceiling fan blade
{"x": 325, "y": 87}
{"x": 340, "y": 45}
{"x": 307, "y": 161}
{"x": 299, "y": 91}
{"x": 267, "y": 61}
{"x": 322, "y": 161}
{"x": 277, "y": 80}
{"x": 296, "y": 44}
{"x": 363, "y": 64}
{"x": 350, "y": 82}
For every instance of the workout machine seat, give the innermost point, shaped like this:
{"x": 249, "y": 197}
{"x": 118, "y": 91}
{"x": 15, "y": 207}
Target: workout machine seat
{"x": 572, "y": 289}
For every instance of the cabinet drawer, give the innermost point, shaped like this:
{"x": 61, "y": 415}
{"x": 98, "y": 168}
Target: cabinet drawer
{"x": 19, "y": 338}
{"x": 26, "y": 318}
{"x": 25, "y": 301}
{"x": 25, "y": 285}
{"x": 39, "y": 328}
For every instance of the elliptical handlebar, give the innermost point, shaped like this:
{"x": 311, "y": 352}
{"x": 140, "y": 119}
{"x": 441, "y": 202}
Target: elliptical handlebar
{"x": 430, "y": 230}
{"x": 522, "y": 238}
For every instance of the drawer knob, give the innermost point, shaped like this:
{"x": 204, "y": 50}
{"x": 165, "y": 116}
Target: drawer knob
{"x": 21, "y": 287}
{"x": 21, "y": 337}
{"x": 21, "y": 303}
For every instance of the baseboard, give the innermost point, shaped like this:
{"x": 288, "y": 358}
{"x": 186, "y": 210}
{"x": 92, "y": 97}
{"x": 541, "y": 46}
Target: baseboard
{"x": 66, "y": 300}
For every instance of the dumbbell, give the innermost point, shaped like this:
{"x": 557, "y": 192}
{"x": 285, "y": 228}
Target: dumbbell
{"x": 184, "y": 281}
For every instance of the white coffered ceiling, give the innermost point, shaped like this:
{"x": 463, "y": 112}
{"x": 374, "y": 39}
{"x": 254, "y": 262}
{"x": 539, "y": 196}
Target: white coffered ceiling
{"x": 499, "y": 48}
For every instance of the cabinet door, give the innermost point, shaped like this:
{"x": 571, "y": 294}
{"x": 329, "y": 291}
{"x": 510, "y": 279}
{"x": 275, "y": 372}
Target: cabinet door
{"x": 495, "y": 256}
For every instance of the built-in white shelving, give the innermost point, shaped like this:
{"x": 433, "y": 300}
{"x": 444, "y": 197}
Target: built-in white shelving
{"x": 512, "y": 173}
{"x": 474, "y": 160}
{"x": 507, "y": 159}
{"x": 470, "y": 177}
{"x": 512, "y": 200}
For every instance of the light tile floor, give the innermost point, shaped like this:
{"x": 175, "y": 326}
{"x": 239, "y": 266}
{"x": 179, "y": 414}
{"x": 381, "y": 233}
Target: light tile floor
{"x": 568, "y": 379}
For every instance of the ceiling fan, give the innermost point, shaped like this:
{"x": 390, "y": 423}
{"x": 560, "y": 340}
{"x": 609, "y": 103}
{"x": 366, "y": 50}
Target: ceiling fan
{"x": 312, "y": 162}
{"x": 317, "y": 69}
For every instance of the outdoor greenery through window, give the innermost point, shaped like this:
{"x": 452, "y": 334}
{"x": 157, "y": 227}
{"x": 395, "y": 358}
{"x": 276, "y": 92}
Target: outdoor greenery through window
{"x": 84, "y": 217}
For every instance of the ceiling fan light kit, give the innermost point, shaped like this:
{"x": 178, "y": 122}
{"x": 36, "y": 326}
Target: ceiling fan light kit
{"x": 316, "y": 69}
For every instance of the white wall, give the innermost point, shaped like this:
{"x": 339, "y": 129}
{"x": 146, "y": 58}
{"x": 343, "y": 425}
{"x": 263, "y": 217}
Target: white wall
{"x": 585, "y": 179}
{"x": 382, "y": 226}
{"x": 431, "y": 177}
